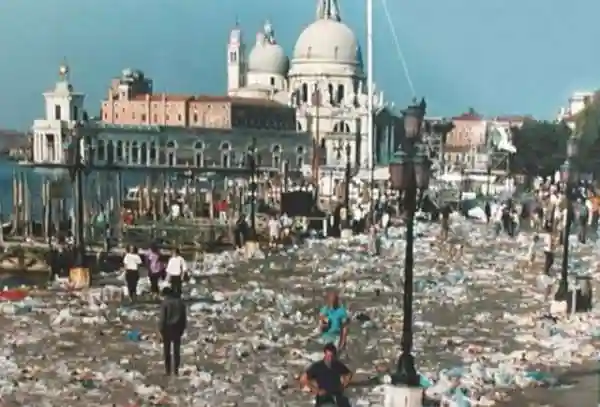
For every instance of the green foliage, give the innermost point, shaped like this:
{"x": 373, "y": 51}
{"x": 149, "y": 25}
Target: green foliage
{"x": 541, "y": 148}
{"x": 588, "y": 131}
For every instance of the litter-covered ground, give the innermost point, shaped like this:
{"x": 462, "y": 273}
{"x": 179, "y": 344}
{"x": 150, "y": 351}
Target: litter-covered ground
{"x": 479, "y": 338}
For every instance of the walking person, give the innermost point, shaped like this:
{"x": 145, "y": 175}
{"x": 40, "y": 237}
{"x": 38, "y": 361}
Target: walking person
{"x": 548, "y": 242}
{"x": 131, "y": 263}
{"x": 156, "y": 270}
{"x": 172, "y": 325}
{"x": 584, "y": 217}
{"x": 176, "y": 269}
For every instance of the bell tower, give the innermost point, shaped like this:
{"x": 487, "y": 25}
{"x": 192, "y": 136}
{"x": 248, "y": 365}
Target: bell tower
{"x": 235, "y": 60}
{"x": 63, "y": 108}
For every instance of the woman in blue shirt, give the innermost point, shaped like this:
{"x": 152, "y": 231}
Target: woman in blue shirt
{"x": 333, "y": 320}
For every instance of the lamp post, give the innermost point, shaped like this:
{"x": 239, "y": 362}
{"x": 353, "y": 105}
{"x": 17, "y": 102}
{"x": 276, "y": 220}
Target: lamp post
{"x": 252, "y": 157}
{"x": 569, "y": 180}
{"x": 347, "y": 176}
{"x": 409, "y": 173}
{"x": 77, "y": 168}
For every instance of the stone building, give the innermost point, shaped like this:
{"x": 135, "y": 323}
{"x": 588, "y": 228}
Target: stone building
{"x": 201, "y": 131}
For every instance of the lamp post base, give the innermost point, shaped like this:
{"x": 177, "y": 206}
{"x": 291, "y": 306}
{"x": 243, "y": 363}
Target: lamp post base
{"x": 402, "y": 396}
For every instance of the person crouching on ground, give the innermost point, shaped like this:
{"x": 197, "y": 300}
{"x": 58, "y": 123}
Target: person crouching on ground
{"x": 327, "y": 379}
{"x": 131, "y": 263}
{"x": 176, "y": 269}
{"x": 333, "y": 321}
{"x": 172, "y": 325}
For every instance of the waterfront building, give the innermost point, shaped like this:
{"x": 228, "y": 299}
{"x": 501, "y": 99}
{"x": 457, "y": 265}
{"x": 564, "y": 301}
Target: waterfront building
{"x": 218, "y": 131}
{"x": 321, "y": 90}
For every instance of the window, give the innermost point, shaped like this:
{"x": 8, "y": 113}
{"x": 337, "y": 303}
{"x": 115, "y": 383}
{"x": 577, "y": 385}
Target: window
{"x": 133, "y": 116}
{"x": 331, "y": 95}
{"x": 143, "y": 117}
{"x": 153, "y": 153}
{"x": 75, "y": 113}
{"x": 105, "y": 116}
{"x": 119, "y": 152}
{"x": 276, "y": 156}
{"x": 299, "y": 161}
{"x": 195, "y": 117}
{"x": 179, "y": 117}
{"x": 155, "y": 118}
{"x": 272, "y": 81}
{"x": 340, "y": 94}
{"x": 167, "y": 118}
{"x": 199, "y": 154}
{"x": 117, "y": 116}
{"x": 225, "y": 154}
{"x": 143, "y": 154}
{"x": 232, "y": 57}
{"x": 101, "y": 151}
{"x": 57, "y": 112}
{"x": 304, "y": 93}
{"x": 127, "y": 152}
{"x": 171, "y": 148}
{"x": 135, "y": 153}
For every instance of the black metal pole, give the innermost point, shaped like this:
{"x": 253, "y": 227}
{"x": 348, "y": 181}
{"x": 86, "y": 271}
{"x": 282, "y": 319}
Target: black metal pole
{"x": 80, "y": 242}
{"x": 563, "y": 289}
{"x": 407, "y": 374}
{"x": 253, "y": 181}
{"x": 347, "y": 188}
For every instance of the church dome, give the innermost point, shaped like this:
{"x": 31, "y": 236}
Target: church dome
{"x": 327, "y": 40}
{"x": 268, "y": 57}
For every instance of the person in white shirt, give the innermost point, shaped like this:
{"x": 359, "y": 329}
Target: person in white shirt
{"x": 548, "y": 243}
{"x": 273, "y": 231}
{"x": 176, "y": 269}
{"x": 175, "y": 211}
{"x": 131, "y": 264}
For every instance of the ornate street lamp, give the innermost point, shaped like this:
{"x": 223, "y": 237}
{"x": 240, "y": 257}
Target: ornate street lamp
{"x": 569, "y": 179}
{"x": 409, "y": 173}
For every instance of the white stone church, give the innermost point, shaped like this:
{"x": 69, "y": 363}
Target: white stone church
{"x": 324, "y": 80}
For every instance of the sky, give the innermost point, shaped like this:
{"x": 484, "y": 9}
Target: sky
{"x": 496, "y": 56}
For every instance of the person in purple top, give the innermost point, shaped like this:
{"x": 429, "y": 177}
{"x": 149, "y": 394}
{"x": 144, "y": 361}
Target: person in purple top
{"x": 156, "y": 269}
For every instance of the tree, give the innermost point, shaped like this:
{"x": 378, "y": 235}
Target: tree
{"x": 587, "y": 129}
{"x": 541, "y": 148}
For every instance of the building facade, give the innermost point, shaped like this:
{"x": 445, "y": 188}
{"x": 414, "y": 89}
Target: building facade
{"x": 324, "y": 82}
{"x": 224, "y": 139}
{"x": 63, "y": 108}
{"x": 576, "y": 103}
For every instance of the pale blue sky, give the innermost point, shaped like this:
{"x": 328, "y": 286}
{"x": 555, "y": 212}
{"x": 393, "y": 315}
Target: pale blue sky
{"x": 498, "y": 56}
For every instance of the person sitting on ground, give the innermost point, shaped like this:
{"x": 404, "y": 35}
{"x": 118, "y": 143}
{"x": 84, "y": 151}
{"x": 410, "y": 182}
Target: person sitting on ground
{"x": 333, "y": 320}
{"x": 327, "y": 379}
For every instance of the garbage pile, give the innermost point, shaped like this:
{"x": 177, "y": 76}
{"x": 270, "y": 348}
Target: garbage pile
{"x": 253, "y": 328}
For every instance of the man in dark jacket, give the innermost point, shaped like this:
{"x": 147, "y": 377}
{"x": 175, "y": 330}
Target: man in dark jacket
{"x": 173, "y": 321}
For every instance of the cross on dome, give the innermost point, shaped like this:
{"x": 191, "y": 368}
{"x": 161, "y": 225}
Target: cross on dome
{"x": 328, "y": 10}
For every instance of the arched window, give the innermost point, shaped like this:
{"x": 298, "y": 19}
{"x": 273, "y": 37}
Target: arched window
{"x": 135, "y": 153}
{"x": 153, "y": 154}
{"x": 299, "y": 156}
{"x": 119, "y": 152}
{"x": 341, "y": 127}
{"x": 340, "y": 94}
{"x": 101, "y": 151}
{"x": 276, "y": 156}
{"x": 304, "y": 93}
{"x": 143, "y": 154}
{"x": 331, "y": 94}
{"x": 127, "y": 152}
{"x": 298, "y": 126}
{"x": 199, "y": 154}
{"x": 171, "y": 150}
{"x": 225, "y": 154}
{"x": 110, "y": 152}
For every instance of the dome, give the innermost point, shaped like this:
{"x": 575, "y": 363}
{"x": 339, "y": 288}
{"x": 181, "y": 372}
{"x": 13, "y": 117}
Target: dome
{"x": 268, "y": 57}
{"x": 327, "y": 40}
